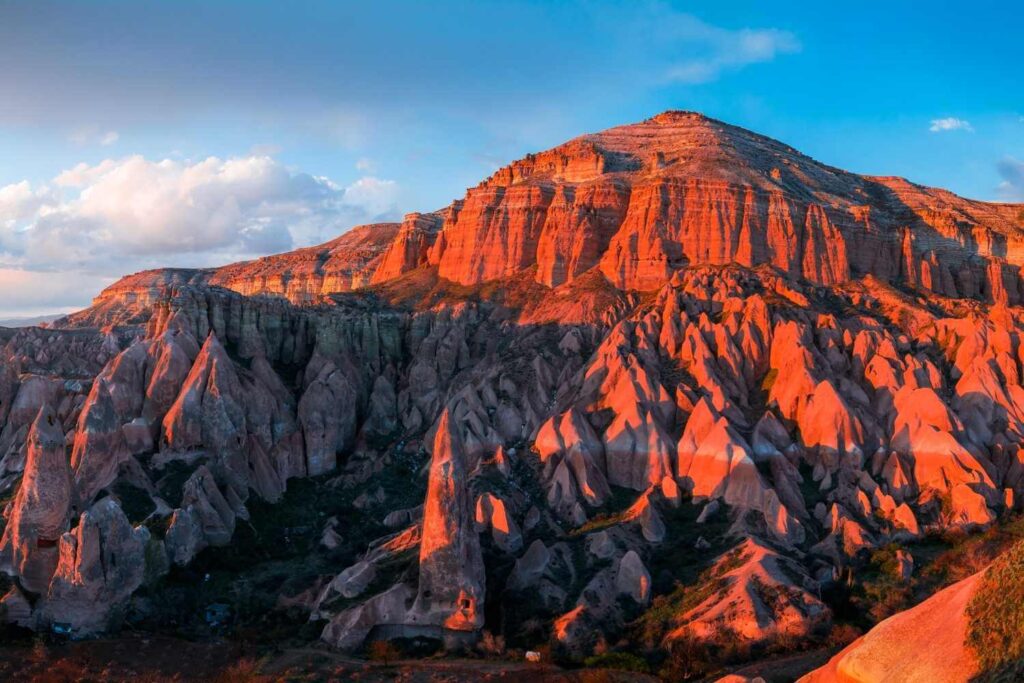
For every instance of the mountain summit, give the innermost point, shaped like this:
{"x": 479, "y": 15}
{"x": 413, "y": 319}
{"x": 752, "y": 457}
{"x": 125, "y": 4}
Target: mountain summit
{"x": 638, "y": 202}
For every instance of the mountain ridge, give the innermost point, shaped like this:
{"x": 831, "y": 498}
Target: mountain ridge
{"x": 582, "y": 205}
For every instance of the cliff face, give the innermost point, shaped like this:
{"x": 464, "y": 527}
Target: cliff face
{"x": 665, "y": 349}
{"x": 302, "y": 276}
{"x": 641, "y": 201}
{"x": 680, "y": 189}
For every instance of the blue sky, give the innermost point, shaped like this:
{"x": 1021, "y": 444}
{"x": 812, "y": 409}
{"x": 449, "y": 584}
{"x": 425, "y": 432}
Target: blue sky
{"x": 140, "y": 133}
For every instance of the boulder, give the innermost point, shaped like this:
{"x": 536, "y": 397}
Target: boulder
{"x": 632, "y": 578}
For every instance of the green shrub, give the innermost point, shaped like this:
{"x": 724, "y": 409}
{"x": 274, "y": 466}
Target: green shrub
{"x": 688, "y": 659}
{"x": 995, "y": 629}
{"x": 621, "y": 661}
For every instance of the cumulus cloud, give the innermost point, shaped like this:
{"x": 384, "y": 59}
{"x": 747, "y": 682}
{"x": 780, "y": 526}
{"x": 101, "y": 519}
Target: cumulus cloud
{"x": 122, "y": 215}
{"x": 705, "y": 51}
{"x": 1012, "y": 172}
{"x": 950, "y": 123}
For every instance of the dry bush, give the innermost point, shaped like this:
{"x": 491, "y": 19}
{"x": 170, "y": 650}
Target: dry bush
{"x": 383, "y": 651}
{"x": 996, "y": 613}
{"x": 492, "y": 645}
{"x": 842, "y": 635}
{"x": 243, "y": 671}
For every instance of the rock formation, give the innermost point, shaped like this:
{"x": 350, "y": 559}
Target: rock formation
{"x": 102, "y": 562}
{"x": 641, "y": 348}
{"x": 924, "y": 643}
{"x": 451, "y": 576}
{"x": 42, "y": 508}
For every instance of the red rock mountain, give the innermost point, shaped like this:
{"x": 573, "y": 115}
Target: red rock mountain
{"x": 639, "y": 202}
{"x": 671, "y": 388}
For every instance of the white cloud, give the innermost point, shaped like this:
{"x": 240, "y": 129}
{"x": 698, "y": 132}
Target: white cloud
{"x": 703, "y": 52}
{"x": 122, "y": 215}
{"x": 950, "y": 123}
{"x": 364, "y": 164}
{"x": 1012, "y": 172}
{"x": 91, "y": 135}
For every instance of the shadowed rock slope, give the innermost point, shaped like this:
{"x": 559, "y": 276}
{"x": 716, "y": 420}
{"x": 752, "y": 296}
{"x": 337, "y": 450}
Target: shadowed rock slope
{"x": 671, "y": 383}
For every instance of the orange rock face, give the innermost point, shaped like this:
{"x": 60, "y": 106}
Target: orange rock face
{"x": 926, "y": 643}
{"x": 451, "y": 574}
{"x": 41, "y": 512}
{"x": 644, "y": 200}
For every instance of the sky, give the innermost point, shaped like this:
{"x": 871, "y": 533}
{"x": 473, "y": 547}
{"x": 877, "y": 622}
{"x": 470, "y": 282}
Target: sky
{"x": 140, "y": 134}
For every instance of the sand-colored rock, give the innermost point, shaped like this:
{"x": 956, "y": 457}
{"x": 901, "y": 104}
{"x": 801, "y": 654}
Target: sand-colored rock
{"x": 924, "y": 643}
{"x": 758, "y": 599}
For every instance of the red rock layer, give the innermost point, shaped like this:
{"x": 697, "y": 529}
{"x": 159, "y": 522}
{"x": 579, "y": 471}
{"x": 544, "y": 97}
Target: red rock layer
{"x": 642, "y": 201}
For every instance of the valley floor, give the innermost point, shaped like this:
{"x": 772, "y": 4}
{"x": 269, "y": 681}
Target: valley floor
{"x": 159, "y": 659}
{"x": 156, "y": 659}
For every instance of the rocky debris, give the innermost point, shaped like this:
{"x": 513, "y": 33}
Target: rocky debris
{"x": 531, "y": 566}
{"x": 348, "y": 629}
{"x": 353, "y": 581}
{"x": 645, "y": 514}
{"x": 15, "y": 609}
{"x": 397, "y": 519}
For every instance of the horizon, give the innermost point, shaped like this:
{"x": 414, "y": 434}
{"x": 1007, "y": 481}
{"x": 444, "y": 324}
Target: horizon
{"x": 118, "y": 159}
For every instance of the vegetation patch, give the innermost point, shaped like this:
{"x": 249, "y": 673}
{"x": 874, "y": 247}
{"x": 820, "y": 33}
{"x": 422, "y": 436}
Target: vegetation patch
{"x": 996, "y": 618}
{"x": 619, "y": 661}
{"x": 667, "y": 611}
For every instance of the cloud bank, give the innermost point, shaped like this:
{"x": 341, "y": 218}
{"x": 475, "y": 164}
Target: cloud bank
{"x": 93, "y": 223}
